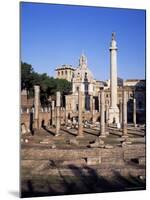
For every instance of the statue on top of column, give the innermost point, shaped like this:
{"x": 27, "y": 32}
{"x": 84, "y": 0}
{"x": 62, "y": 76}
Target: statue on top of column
{"x": 113, "y": 35}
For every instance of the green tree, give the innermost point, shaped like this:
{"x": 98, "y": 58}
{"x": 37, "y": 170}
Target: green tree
{"x": 48, "y": 85}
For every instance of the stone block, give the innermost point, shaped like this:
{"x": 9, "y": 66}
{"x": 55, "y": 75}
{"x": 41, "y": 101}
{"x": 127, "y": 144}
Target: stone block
{"x": 74, "y": 162}
{"x": 94, "y": 161}
{"x": 142, "y": 161}
{"x": 107, "y": 146}
{"x": 73, "y": 141}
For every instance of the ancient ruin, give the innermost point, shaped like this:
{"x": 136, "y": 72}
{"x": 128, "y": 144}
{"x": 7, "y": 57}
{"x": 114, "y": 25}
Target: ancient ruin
{"x": 93, "y": 143}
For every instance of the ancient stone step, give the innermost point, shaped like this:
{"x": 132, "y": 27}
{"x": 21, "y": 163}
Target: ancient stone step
{"x": 53, "y": 154}
{"x": 77, "y": 171}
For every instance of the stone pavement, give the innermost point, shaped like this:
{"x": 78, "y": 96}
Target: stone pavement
{"x": 67, "y": 164}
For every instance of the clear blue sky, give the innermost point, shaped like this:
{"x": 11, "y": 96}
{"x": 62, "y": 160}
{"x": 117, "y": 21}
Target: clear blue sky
{"x": 52, "y": 35}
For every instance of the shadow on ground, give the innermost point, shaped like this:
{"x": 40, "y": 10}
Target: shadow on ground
{"x": 84, "y": 180}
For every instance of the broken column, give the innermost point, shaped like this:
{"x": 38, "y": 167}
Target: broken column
{"x": 134, "y": 112}
{"x": 53, "y": 113}
{"x": 80, "y": 126}
{"x": 102, "y": 115}
{"x": 124, "y": 116}
{"x": 57, "y": 113}
{"x": 36, "y": 105}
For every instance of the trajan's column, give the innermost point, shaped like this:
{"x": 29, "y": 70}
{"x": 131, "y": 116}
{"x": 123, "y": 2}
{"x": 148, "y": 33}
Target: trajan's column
{"x": 113, "y": 110}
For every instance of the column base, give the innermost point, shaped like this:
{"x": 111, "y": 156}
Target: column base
{"x": 57, "y": 134}
{"x": 124, "y": 136}
{"x": 79, "y": 136}
{"x": 102, "y": 136}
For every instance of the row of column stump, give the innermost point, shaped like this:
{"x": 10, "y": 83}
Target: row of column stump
{"x": 56, "y": 120}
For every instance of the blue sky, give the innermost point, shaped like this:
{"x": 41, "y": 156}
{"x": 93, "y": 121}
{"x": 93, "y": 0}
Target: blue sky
{"x": 52, "y": 35}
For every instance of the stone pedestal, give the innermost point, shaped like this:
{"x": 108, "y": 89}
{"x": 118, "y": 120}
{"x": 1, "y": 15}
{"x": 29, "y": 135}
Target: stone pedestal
{"x": 57, "y": 113}
{"x": 36, "y": 106}
{"x": 124, "y": 116}
{"x": 80, "y": 126}
{"x": 102, "y": 115}
{"x": 113, "y": 111}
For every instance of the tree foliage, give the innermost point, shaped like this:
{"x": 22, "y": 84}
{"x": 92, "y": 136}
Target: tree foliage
{"x": 48, "y": 85}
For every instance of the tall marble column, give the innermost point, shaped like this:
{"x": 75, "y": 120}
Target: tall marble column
{"x": 80, "y": 126}
{"x": 36, "y": 106}
{"x": 134, "y": 112}
{"x": 113, "y": 111}
{"x": 58, "y": 113}
{"x": 102, "y": 115}
{"x": 124, "y": 116}
{"x": 53, "y": 113}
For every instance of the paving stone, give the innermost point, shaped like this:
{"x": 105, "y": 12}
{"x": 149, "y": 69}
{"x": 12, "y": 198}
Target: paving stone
{"x": 107, "y": 146}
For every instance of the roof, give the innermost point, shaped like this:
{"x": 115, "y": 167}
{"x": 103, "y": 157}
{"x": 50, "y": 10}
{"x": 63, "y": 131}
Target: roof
{"x": 62, "y": 67}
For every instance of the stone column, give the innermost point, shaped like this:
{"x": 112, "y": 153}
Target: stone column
{"x": 113, "y": 111}
{"x": 134, "y": 112}
{"x": 36, "y": 105}
{"x": 91, "y": 103}
{"x": 120, "y": 112}
{"x": 107, "y": 113}
{"x": 57, "y": 113}
{"x": 93, "y": 111}
{"x": 102, "y": 115}
{"x": 99, "y": 101}
{"x": 66, "y": 113}
{"x": 53, "y": 113}
{"x": 66, "y": 116}
{"x": 80, "y": 126}
{"x": 124, "y": 116}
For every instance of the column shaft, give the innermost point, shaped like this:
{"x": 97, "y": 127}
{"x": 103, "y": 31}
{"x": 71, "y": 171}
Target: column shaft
{"x": 124, "y": 117}
{"x": 57, "y": 113}
{"x": 120, "y": 112}
{"x": 36, "y": 105}
{"x": 134, "y": 111}
{"x": 102, "y": 116}
{"x": 53, "y": 113}
{"x": 80, "y": 127}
